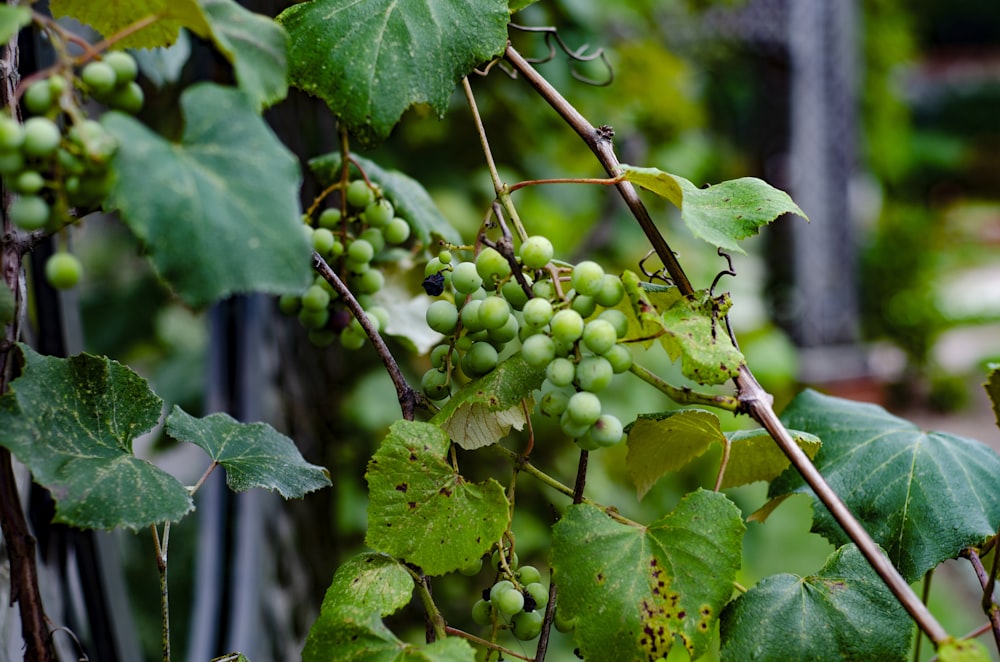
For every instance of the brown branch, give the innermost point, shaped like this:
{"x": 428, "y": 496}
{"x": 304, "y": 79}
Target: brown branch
{"x": 990, "y": 608}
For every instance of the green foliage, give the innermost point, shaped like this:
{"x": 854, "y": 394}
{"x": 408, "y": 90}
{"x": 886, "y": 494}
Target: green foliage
{"x": 12, "y": 19}
{"x": 661, "y": 443}
{"x": 694, "y": 333}
{"x": 170, "y": 15}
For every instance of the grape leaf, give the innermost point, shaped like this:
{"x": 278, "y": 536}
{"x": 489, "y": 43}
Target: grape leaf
{"x": 12, "y": 19}
{"x": 721, "y": 214}
{"x": 754, "y": 456}
{"x": 253, "y": 454}
{"x": 923, "y": 496}
{"x": 661, "y": 443}
{"x": 109, "y": 18}
{"x": 844, "y": 612}
{"x": 256, "y": 46}
{"x": 643, "y": 305}
{"x": 224, "y": 216}
{"x": 72, "y": 422}
{"x": 484, "y": 410}
{"x": 372, "y": 581}
{"x": 518, "y": 5}
{"x": 695, "y": 333}
{"x": 370, "y": 60}
{"x": 353, "y": 634}
{"x": 963, "y": 650}
{"x": 408, "y": 197}
{"x": 632, "y": 590}
{"x": 992, "y": 386}
{"x": 422, "y": 510}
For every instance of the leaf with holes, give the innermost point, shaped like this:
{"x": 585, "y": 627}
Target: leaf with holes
{"x": 695, "y": 332}
{"x": 754, "y": 456}
{"x": 422, "y": 510}
{"x": 484, "y": 410}
{"x": 633, "y": 590}
{"x": 721, "y": 214}
{"x": 921, "y": 495}
{"x": 72, "y": 422}
{"x": 661, "y": 443}
{"x": 226, "y": 216}
{"x": 844, "y": 612}
{"x": 371, "y": 60}
{"x": 110, "y": 18}
{"x": 253, "y": 454}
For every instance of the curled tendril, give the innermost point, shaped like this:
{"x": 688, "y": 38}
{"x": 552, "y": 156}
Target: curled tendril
{"x": 730, "y": 271}
{"x": 651, "y": 275}
{"x": 555, "y": 42}
{"x": 79, "y": 647}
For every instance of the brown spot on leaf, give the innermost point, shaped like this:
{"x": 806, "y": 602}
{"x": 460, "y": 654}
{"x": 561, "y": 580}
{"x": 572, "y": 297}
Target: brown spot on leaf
{"x": 402, "y": 487}
{"x": 411, "y": 504}
{"x": 445, "y": 491}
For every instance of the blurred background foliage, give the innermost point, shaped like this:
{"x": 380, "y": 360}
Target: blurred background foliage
{"x": 928, "y": 211}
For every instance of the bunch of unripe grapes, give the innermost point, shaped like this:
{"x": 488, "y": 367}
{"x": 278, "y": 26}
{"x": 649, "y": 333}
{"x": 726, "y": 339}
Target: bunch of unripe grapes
{"x": 571, "y": 331}
{"x": 351, "y": 243}
{"x": 57, "y": 159}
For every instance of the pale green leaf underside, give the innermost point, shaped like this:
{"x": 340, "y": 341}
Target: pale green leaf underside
{"x": 12, "y": 19}
{"x": 923, "y": 496}
{"x": 253, "y": 454}
{"x": 371, "y": 60}
{"x": 484, "y": 410}
{"x": 422, "y": 510}
{"x": 722, "y": 214}
{"x": 661, "y": 443}
{"x": 371, "y": 581}
{"x": 844, "y": 612}
{"x": 754, "y": 456}
{"x": 111, "y": 17}
{"x": 224, "y": 214}
{"x": 72, "y": 423}
{"x": 632, "y": 590}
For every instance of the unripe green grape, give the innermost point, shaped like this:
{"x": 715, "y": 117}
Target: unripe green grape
{"x": 572, "y": 429}
{"x": 465, "y": 278}
{"x": 28, "y": 182}
{"x": 514, "y": 294}
{"x": 482, "y": 357}
{"x": 527, "y": 625}
{"x": 435, "y": 384}
{"x": 560, "y": 372}
{"x": 470, "y": 316}
{"x": 606, "y": 431}
{"x": 396, "y": 231}
{"x": 493, "y": 312}
{"x": 564, "y": 349}
{"x": 289, "y": 304}
{"x": 11, "y": 133}
{"x": 63, "y": 270}
{"x": 361, "y": 251}
{"x": 538, "y": 351}
{"x": 380, "y": 314}
{"x": 11, "y": 163}
{"x": 128, "y": 99}
{"x": 99, "y": 77}
{"x": 553, "y": 403}
{"x": 29, "y": 212}
{"x": 432, "y": 267}
{"x": 566, "y": 326}
{"x": 536, "y": 252}
{"x": 314, "y": 319}
{"x": 511, "y": 561}
{"x": 124, "y": 65}
{"x": 620, "y": 358}
{"x": 322, "y": 241}
{"x": 594, "y": 373}
{"x": 315, "y": 298}
{"x": 377, "y": 213}
{"x": 57, "y": 84}
{"x": 478, "y": 294}
{"x": 599, "y": 336}
{"x": 358, "y": 194}
{"x": 543, "y": 289}
{"x": 537, "y": 312}
{"x": 322, "y": 337}
{"x": 583, "y": 304}
{"x": 369, "y": 282}
{"x": 38, "y": 98}
{"x": 329, "y": 218}
{"x": 583, "y": 408}
{"x": 508, "y": 602}
{"x": 529, "y": 574}
{"x": 501, "y": 586}
{"x": 374, "y": 237}
{"x": 41, "y": 137}
{"x": 352, "y": 339}
{"x": 588, "y": 276}
{"x": 473, "y": 567}
{"x": 538, "y": 593}
{"x": 618, "y": 320}
{"x": 505, "y": 333}
{"x": 482, "y": 613}
{"x": 464, "y": 342}
{"x": 440, "y": 355}
{"x": 585, "y": 442}
{"x": 491, "y": 265}
{"x": 442, "y": 316}
{"x": 612, "y": 291}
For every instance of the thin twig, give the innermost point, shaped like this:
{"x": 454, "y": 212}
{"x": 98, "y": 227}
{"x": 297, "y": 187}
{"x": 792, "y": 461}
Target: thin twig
{"x": 684, "y": 395}
{"x": 600, "y": 181}
{"x": 581, "y": 477}
{"x": 926, "y": 596}
{"x": 990, "y": 608}
{"x": 547, "y": 619}
{"x": 483, "y": 642}
{"x": 161, "y": 565}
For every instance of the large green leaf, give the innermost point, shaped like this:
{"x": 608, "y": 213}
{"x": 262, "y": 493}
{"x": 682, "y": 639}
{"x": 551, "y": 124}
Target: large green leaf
{"x": 408, "y": 196}
{"x": 72, "y": 422}
{"x": 109, "y": 18}
{"x": 219, "y": 211}
{"x": 353, "y": 634}
{"x": 370, "y": 60}
{"x": 484, "y": 410}
{"x": 844, "y": 612}
{"x": 633, "y": 590}
{"x": 694, "y": 332}
{"x": 661, "y": 443}
{"x": 253, "y": 454}
{"x": 422, "y": 510}
{"x": 12, "y": 19}
{"x": 721, "y": 214}
{"x": 372, "y": 581}
{"x": 923, "y": 496}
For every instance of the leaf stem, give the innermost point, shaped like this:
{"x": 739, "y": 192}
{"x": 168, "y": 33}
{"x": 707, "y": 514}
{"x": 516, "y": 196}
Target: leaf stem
{"x": 684, "y": 395}
{"x": 990, "y": 608}
{"x": 601, "y": 181}
{"x": 161, "y": 566}
{"x": 201, "y": 481}
{"x": 483, "y": 642}
{"x": 438, "y": 629}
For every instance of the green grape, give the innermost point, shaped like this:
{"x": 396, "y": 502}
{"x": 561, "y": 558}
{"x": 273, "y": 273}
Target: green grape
{"x": 553, "y": 403}
{"x": 352, "y": 339}
{"x": 380, "y": 314}
{"x": 478, "y": 294}
{"x": 369, "y": 282}
{"x": 587, "y": 278}
{"x": 491, "y": 265}
{"x": 30, "y": 212}
{"x": 560, "y": 372}
{"x": 612, "y": 291}
{"x": 583, "y": 304}
{"x": 482, "y": 612}
{"x": 538, "y": 351}
{"x": 501, "y": 586}
{"x": 528, "y": 574}
{"x": 620, "y": 358}
{"x": 445, "y": 256}
{"x": 527, "y": 625}
{"x": 571, "y": 429}
{"x": 63, "y": 270}
{"x": 322, "y": 337}
{"x": 464, "y": 342}
{"x": 435, "y": 384}
{"x": 473, "y": 567}
{"x": 493, "y": 312}
{"x": 536, "y": 252}
{"x": 514, "y": 294}
{"x": 511, "y": 560}
{"x": 442, "y": 316}
{"x": 505, "y": 333}
{"x": 289, "y": 304}
{"x": 538, "y": 593}
{"x": 322, "y": 241}
{"x": 314, "y": 319}
{"x": 396, "y": 231}
{"x": 360, "y": 251}
{"x": 124, "y": 65}
{"x": 128, "y": 99}
{"x": 508, "y": 602}
{"x": 470, "y": 316}
{"x": 543, "y": 289}
{"x": 537, "y": 312}
{"x": 440, "y": 354}
{"x": 566, "y": 326}
{"x": 315, "y": 298}
{"x": 41, "y": 137}
{"x": 377, "y": 213}
{"x": 329, "y": 218}
{"x": 465, "y": 279}
{"x": 38, "y": 98}
{"x": 585, "y": 442}
{"x": 594, "y": 373}
{"x": 583, "y": 408}
{"x": 58, "y": 85}
{"x": 606, "y": 431}
{"x": 481, "y": 358}
{"x": 11, "y": 163}
{"x": 374, "y": 237}
{"x": 358, "y": 194}
{"x": 99, "y": 77}
{"x": 618, "y": 320}
{"x": 28, "y": 182}
{"x": 11, "y": 133}
{"x": 599, "y": 336}
{"x": 433, "y": 266}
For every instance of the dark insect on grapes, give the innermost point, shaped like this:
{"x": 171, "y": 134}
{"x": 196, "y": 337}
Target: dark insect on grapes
{"x": 434, "y": 284}
{"x": 529, "y": 602}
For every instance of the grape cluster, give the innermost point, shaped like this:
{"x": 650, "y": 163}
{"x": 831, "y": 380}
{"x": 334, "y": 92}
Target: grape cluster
{"x": 351, "y": 242}
{"x": 573, "y": 335}
{"x": 515, "y": 600}
{"x": 58, "y": 160}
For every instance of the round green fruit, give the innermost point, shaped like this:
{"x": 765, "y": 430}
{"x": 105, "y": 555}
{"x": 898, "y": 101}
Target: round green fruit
{"x": 63, "y": 270}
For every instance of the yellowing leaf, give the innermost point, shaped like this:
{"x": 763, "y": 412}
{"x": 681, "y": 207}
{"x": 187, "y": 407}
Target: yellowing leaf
{"x": 109, "y": 17}
{"x": 661, "y": 443}
{"x": 754, "y": 456}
